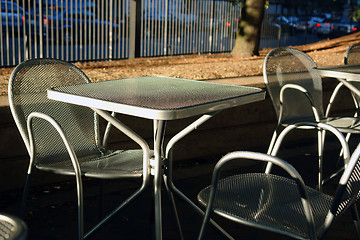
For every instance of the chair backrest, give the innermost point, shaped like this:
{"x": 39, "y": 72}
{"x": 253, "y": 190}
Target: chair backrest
{"x": 348, "y": 191}
{"x": 28, "y": 86}
{"x": 290, "y": 66}
{"x": 352, "y": 54}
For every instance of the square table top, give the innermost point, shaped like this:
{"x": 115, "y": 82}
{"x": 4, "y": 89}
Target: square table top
{"x": 157, "y": 97}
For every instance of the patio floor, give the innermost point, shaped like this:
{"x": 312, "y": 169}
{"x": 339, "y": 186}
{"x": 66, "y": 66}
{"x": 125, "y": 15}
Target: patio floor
{"x": 51, "y": 209}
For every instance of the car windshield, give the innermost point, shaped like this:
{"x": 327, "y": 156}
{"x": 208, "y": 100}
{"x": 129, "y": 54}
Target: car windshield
{"x": 10, "y": 7}
{"x": 346, "y": 20}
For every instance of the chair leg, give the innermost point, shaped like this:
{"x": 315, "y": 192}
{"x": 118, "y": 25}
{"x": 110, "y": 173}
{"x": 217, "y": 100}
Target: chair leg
{"x": 101, "y": 199}
{"x": 355, "y": 217}
{"x": 321, "y": 141}
{"x": 80, "y": 202}
{"x": 205, "y": 223}
{"x": 273, "y": 140}
{"x": 172, "y": 200}
{"x": 25, "y": 195}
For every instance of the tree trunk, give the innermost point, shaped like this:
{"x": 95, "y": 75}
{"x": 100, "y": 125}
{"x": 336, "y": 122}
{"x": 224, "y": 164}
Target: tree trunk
{"x": 249, "y": 29}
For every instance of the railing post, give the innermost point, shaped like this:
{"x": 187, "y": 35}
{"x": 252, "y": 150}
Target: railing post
{"x": 135, "y": 28}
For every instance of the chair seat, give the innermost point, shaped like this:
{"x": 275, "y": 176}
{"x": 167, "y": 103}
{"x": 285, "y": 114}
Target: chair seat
{"x": 267, "y": 201}
{"x": 343, "y": 124}
{"x": 127, "y": 162}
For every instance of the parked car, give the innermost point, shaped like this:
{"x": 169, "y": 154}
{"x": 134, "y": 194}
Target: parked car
{"x": 13, "y": 17}
{"x": 325, "y": 27}
{"x": 67, "y": 24}
{"x": 283, "y": 22}
{"x": 300, "y": 25}
{"x": 345, "y": 26}
{"x": 311, "y": 23}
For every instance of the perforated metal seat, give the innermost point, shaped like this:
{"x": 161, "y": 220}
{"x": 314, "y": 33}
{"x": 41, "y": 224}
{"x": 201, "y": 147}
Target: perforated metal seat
{"x": 281, "y": 203}
{"x": 296, "y": 93}
{"x": 65, "y": 138}
{"x": 12, "y": 228}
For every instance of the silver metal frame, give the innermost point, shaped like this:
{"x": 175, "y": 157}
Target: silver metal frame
{"x": 159, "y": 116}
{"x": 273, "y": 160}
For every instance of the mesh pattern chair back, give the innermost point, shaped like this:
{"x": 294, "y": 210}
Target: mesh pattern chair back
{"x": 290, "y": 66}
{"x": 352, "y": 54}
{"x": 28, "y": 93}
{"x": 347, "y": 194}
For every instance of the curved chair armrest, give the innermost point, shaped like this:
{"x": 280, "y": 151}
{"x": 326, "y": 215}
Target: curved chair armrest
{"x": 69, "y": 149}
{"x": 264, "y": 158}
{"x": 306, "y": 93}
{"x": 59, "y": 129}
{"x": 334, "y": 95}
{"x": 315, "y": 125}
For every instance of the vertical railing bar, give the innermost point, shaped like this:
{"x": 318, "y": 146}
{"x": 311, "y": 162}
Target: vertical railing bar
{"x": 97, "y": 31}
{"x": 52, "y": 30}
{"x": 92, "y": 41}
{"x": 174, "y": 46}
{"x": 35, "y": 30}
{"x": 102, "y": 49}
{"x": 80, "y": 32}
{"x": 7, "y": 36}
{"x": 105, "y": 27}
{"x": 72, "y": 32}
{"x": 85, "y": 10}
{"x": 147, "y": 22}
{"x": 46, "y": 16}
{"x": 142, "y": 33}
{"x": 218, "y": 29}
{"x": 122, "y": 35}
{"x": 143, "y": 29}
{"x": 165, "y": 32}
{"x": 24, "y": 33}
{"x": 95, "y": 42}
{"x": 41, "y": 30}
{"x": 18, "y": 33}
{"x": 116, "y": 27}
{"x": 224, "y": 27}
{"x": 212, "y": 26}
{"x": 184, "y": 30}
{"x": 158, "y": 29}
{"x": 58, "y": 31}
{"x": 67, "y": 43}
{"x": 181, "y": 37}
{"x": 110, "y": 29}
{"x": 198, "y": 41}
{"x": 151, "y": 20}
{"x": 61, "y": 43}
{"x": 13, "y": 33}
{"x": 1, "y": 43}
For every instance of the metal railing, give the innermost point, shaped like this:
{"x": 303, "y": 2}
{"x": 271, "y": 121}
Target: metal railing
{"x": 84, "y": 30}
{"x": 90, "y": 30}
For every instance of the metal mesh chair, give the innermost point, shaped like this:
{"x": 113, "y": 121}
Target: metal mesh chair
{"x": 352, "y": 57}
{"x": 352, "y": 54}
{"x": 65, "y": 138}
{"x": 281, "y": 203}
{"x": 12, "y": 228}
{"x": 296, "y": 93}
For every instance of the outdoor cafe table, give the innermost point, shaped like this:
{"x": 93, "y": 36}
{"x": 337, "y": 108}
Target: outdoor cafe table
{"x": 160, "y": 99}
{"x": 344, "y": 73}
